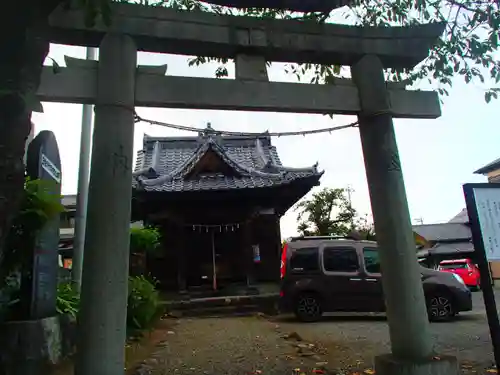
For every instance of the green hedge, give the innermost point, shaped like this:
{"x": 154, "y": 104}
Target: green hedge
{"x": 143, "y": 305}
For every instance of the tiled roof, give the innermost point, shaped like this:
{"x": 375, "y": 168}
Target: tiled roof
{"x": 164, "y": 164}
{"x": 443, "y": 232}
{"x": 462, "y": 217}
{"x": 448, "y": 248}
{"x": 452, "y": 248}
{"x": 494, "y": 165}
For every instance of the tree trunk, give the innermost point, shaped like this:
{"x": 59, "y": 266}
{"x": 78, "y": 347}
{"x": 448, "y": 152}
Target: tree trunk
{"x": 24, "y": 49}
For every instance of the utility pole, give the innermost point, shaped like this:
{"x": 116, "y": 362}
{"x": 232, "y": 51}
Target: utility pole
{"x": 349, "y": 191}
{"x": 83, "y": 188}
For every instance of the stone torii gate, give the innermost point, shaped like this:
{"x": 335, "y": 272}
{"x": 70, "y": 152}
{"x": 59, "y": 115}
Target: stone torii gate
{"x": 116, "y": 85}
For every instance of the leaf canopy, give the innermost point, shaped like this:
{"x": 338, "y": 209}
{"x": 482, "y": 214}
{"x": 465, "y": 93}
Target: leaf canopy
{"x": 468, "y": 48}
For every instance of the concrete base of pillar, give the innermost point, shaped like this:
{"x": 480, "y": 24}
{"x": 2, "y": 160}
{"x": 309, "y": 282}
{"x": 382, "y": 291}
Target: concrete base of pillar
{"x": 387, "y": 364}
{"x": 31, "y": 347}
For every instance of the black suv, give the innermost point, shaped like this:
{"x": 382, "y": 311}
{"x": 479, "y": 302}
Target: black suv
{"x": 325, "y": 274}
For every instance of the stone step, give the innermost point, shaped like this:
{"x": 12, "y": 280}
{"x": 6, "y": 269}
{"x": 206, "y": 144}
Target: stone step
{"x": 241, "y": 310}
{"x": 223, "y": 305}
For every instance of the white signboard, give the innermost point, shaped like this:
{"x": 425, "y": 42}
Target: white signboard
{"x": 488, "y": 210}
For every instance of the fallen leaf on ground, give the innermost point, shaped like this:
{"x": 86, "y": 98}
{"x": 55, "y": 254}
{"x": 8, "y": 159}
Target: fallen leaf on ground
{"x": 318, "y": 371}
{"x": 369, "y": 371}
{"x": 436, "y": 358}
{"x": 293, "y": 336}
{"x": 174, "y": 314}
{"x": 492, "y": 371}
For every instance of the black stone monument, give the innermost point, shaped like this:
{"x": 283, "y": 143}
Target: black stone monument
{"x": 44, "y": 163}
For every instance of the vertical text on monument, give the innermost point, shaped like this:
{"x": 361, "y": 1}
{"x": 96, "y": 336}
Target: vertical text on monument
{"x": 44, "y": 163}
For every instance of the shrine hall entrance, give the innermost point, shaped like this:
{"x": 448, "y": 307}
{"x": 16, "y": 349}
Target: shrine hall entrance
{"x": 214, "y": 258}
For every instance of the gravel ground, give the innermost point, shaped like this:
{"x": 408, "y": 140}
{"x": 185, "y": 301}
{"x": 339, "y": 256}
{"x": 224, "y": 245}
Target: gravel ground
{"x": 256, "y": 345}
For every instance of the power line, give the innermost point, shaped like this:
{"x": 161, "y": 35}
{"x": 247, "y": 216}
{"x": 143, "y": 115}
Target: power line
{"x": 245, "y": 134}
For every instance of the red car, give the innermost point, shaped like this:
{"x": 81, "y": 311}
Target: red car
{"x": 464, "y": 268}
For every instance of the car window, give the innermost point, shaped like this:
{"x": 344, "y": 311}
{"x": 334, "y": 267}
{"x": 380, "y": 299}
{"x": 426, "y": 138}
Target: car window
{"x": 305, "y": 259}
{"x": 372, "y": 260}
{"x": 340, "y": 259}
{"x": 452, "y": 266}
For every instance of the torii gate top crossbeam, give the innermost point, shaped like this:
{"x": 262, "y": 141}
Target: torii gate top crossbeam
{"x": 197, "y": 33}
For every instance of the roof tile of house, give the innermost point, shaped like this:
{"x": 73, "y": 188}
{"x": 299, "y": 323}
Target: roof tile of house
{"x": 165, "y": 164}
{"x": 444, "y": 232}
{"x": 490, "y": 167}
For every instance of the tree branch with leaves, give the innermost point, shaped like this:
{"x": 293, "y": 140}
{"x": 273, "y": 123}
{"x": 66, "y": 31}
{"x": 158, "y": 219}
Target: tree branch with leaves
{"x": 468, "y": 47}
{"x": 327, "y": 213}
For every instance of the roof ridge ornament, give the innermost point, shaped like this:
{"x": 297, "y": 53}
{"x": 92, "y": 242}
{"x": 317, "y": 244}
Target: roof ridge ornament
{"x": 209, "y": 134}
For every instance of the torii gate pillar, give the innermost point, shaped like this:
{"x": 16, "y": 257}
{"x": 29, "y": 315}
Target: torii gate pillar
{"x": 404, "y": 297}
{"x": 102, "y": 324}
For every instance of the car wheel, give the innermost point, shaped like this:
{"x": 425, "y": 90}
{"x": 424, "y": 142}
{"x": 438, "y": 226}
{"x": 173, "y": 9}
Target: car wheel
{"x": 440, "y": 307}
{"x": 308, "y": 307}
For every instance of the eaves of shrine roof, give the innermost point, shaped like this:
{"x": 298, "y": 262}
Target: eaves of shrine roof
{"x": 172, "y": 164}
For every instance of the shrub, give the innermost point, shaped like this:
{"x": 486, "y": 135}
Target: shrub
{"x": 10, "y": 296}
{"x": 143, "y": 303}
{"x": 68, "y": 299}
{"x": 144, "y": 240}
{"x": 39, "y": 205}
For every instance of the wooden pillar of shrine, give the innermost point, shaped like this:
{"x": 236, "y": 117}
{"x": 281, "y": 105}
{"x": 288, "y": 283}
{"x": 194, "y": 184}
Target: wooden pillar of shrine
{"x": 181, "y": 255}
{"x": 247, "y": 255}
{"x": 278, "y": 247}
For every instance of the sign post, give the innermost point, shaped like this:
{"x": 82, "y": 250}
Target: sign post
{"x": 44, "y": 163}
{"x": 483, "y": 208}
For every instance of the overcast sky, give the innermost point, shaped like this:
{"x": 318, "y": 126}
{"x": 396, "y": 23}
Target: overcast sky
{"x": 437, "y": 156}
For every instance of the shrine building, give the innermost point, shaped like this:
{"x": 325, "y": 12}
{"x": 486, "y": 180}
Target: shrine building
{"x": 218, "y": 201}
